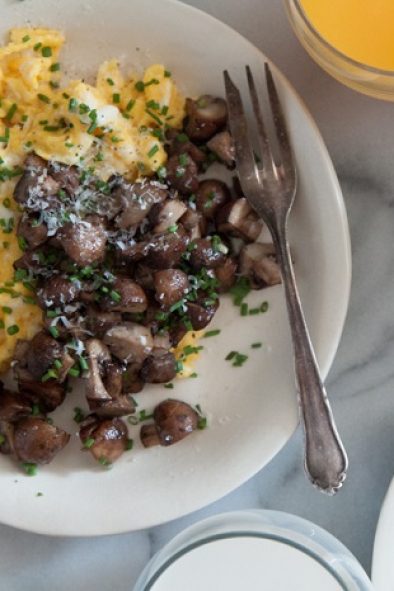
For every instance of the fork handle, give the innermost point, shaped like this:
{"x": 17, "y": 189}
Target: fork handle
{"x": 325, "y": 457}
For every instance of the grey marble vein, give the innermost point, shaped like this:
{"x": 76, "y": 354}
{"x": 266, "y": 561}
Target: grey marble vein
{"x": 358, "y": 132}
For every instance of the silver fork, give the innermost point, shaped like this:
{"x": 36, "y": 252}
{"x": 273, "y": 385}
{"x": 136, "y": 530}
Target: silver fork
{"x": 271, "y": 190}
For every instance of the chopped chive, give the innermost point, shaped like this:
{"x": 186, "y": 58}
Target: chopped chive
{"x": 54, "y": 67}
{"x": 89, "y": 442}
{"x": 6, "y": 309}
{"x": 74, "y": 372}
{"x": 104, "y": 461}
{"x": 264, "y": 307}
{"x": 65, "y": 95}
{"x": 78, "y": 415}
{"x": 133, "y": 420}
{"x": 230, "y": 356}
{"x": 83, "y": 363}
{"x": 244, "y": 309}
{"x": 164, "y": 110}
{"x": 183, "y": 159}
{"x": 54, "y": 331}
{"x": 43, "y": 97}
{"x": 144, "y": 416}
{"x": 172, "y": 229}
{"x": 29, "y": 468}
{"x": 140, "y": 86}
{"x": 212, "y": 333}
{"x": 254, "y": 311}
{"x": 110, "y": 81}
{"x": 153, "y": 105}
{"x": 46, "y": 52}
{"x": 116, "y": 98}
{"x": 240, "y": 290}
{"x": 24, "y": 118}
{"x": 54, "y": 85}
{"x": 5, "y": 138}
{"x": 7, "y": 202}
{"x": 130, "y": 104}
{"x": 202, "y": 423}
{"x": 11, "y": 112}
{"x": 153, "y": 151}
{"x": 154, "y": 116}
{"x": 115, "y": 139}
{"x": 115, "y": 295}
{"x": 182, "y": 138}
{"x": 26, "y": 38}
{"x": 35, "y": 410}
{"x": 72, "y": 104}
{"x": 39, "y": 494}
{"x": 193, "y": 375}
{"x": 2, "y": 439}
{"x": 152, "y": 81}
{"x": 178, "y": 366}
{"x": 51, "y": 374}
{"x": 169, "y": 386}
{"x": 256, "y": 345}
{"x": 57, "y": 364}
{"x": 2, "y": 325}
{"x": 83, "y": 109}
{"x": 129, "y": 444}
{"x": 99, "y": 157}
{"x": 13, "y": 329}
{"x": 37, "y": 46}
{"x": 239, "y": 359}
{"x": 167, "y": 74}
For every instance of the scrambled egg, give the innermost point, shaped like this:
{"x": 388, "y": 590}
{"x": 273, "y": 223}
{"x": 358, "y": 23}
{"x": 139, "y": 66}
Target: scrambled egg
{"x": 115, "y": 126}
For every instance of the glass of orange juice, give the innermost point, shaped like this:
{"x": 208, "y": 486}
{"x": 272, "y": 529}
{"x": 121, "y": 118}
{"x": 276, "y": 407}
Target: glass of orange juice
{"x": 353, "y": 40}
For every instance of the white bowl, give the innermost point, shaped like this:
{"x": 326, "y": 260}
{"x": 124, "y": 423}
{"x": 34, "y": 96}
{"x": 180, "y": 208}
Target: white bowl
{"x": 252, "y": 411}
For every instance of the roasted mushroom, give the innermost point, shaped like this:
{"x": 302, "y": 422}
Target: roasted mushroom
{"x": 84, "y": 240}
{"x": 32, "y": 230}
{"x": 174, "y": 420}
{"x": 48, "y": 395}
{"x": 207, "y": 254}
{"x": 210, "y": 196}
{"x": 37, "y": 441}
{"x": 182, "y": 173}
{"x": 159, "y": 367}
{"x": 106, "y": 439}
{"x": 200, "y": 313}
{"x": 171, "y": 286}
{"x": 125, "y": 295}
{"x": 258, "y": 263}
{"x": 35, "y": 181}
{"x": 205, "y": 117}
{"x": 226, "y": 274}
{"x": 222, "y": 146}
{"x": 165, "y": 215}
{"x": 68, "y": 177}
{"x": 238, "y": 219}
{"x": 129, "y": 342}
{"x": 149, "y": 435}
{"x": 13, "y": 406}
{"x": 194, "y": 223}
{"x": 57, "y": 291}
{"x": 136, "y": 200}
{"x": 165, "y": 250}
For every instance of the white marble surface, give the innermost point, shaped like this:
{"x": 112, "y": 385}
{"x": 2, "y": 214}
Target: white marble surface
{"x": 359, "y": 135}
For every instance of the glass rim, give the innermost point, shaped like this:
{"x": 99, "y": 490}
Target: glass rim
{"x": 278, "y": 538}
{"x": 340, "y": 54}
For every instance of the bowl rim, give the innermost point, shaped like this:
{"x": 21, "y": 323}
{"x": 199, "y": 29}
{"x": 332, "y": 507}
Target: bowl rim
{"x": 296, "y": 4}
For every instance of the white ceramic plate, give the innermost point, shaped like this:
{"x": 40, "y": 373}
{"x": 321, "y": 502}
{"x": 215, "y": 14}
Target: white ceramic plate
{"x": 382, "y": 563}
{"x": 252, "y": 410}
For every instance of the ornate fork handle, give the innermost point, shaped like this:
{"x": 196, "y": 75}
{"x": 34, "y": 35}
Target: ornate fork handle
{"x": 325, "y": 457}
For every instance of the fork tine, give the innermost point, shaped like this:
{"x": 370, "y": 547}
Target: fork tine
{"x": 280, "y": 124}
{"x": 266, "y": 152}
{"x": 244, "y": 155}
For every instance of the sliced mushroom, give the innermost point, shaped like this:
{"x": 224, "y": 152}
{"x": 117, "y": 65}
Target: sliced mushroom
{"x": 165, "y": 250}
{"x": 226, "y": 274}
{"x": 35, "y": 181}
{"x": 238, "y": 219}
{"x": 132, "y": 383}
{"x": 164, "y": 216}
{"x": 159, "y": 367}
{"x": 174, "y": 421}
{"x": 106, "y": 439}
{"x": 222, "y": 146}
{"x": 149, "y": 435}
{"x": 205, "y": 117}
{"x": 136, "y": 200}
{"x": 129, "y": 342}
{"x": 210, "y": 196}
{"x": 32, "y": 230}
{"x": 48, "y": 395}
{"x": 258, "y": 263}
{"x": 125, "y": 295}
{"x": 98, "y": 322}
{"x": 46, "y": 353}
{"x": 57, "y": 292}
{"x": 36, "y": 441}
{"x": 207, "y": 254}
{"x": 182, "y": 173}
{"x": 194, "y": 223}
{"x": 68, "y": 177}
{"x": 13, "y": 406}
{"x": 84, "y": 241}
{"x": 171, "y": 286}
{"x": 201, "y": 313}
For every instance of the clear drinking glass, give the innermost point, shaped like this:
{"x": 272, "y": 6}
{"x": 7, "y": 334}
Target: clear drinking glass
{"x": 365, "y": 78}
{"x": 253, "y": 549}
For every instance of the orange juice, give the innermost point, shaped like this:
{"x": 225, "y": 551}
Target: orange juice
{"x": 363, "y": 30}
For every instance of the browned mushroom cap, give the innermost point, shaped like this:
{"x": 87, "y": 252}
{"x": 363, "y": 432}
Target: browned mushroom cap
{"x": 207, "y": 254}
{"x": 32, "y": 231}
{"x": 159, "y": 367}
{"x": 226, "y": 274}
{"x": 35, "y": 179}
{"x": 135, "y": 201}
{"x": 68, "y": 177}
{"x": 149, "y": 436}
{"x": 144, "y": 276}
{"x": 210, "y": 196}
{"x": 258, "y": 262}
{"x": 200, "y": 313}
{"x": 49, "y": 395}
{"x": 132, "y": 382}
{"x": 42, "y": 353}
{"x": 165, "y": 215}
{"x": 179, "y": 143}
{"x": 104, "y": 386}
{"x": 84, "y": 241}
{"x": 106, "y": 439}
{"x": 194, "y": 223}
{"x": 205, "y": 117}
{"x": 182, "y": 173}
{"x": 222, "y": 146}
{"x": 177, "y": 332}
{"x": 129, "y": 342}
{"x": 174, "y": 420}
{"x": 37, "y": 441}
{"x": 13, "y": 406}
{"x": 57, "y": 291}
{"x": 238, "y": 219}
{"x": 125, "y": 296}
{"x": 98, "y": 322}
{"x": 171, "y": 285}
{"x": 165, "y": 250}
